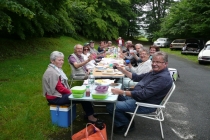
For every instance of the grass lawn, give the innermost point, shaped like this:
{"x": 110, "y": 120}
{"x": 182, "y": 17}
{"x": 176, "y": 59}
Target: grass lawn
{"x": 24, "y": 113}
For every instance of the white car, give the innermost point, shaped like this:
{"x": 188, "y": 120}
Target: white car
{"x": 162, "y": 42}
{"x": 204, "y": 55}
{"x": 177, "y": 44}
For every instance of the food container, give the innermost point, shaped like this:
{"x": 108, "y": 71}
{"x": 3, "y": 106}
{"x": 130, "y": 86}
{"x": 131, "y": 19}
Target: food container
{"x": 101, "y": 92}
{"x": 101, "y": 89}
{"x": 78, "y": 90}
{"x": 101, "y": 96}
{"x": 78, "y": 95}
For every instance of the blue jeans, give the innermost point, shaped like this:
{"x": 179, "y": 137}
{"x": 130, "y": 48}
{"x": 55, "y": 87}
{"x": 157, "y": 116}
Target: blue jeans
{"x": 123, "y": 105}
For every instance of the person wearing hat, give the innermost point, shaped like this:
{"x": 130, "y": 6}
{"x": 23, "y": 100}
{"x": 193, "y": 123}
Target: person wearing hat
{"x": 94, "y": 51}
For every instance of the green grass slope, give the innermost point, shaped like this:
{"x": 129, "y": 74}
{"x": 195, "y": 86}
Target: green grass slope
{"x": 24, "y": 113}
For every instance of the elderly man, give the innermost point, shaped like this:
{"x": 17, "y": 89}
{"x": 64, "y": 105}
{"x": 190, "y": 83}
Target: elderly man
{"x": 94, "y": 51}
{"x": 125, "y": 48}
{"x": 77, "y": 62}
{"x": 138, "y": 48}
{"x": 151, "y": 88}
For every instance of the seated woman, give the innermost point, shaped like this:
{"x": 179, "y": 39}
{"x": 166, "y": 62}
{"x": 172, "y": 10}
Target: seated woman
{"x": 143, "y": 67}
{"x": 152, "y": 50}
{"x": 86, "y": 52}
{"x": 56, "y": 88}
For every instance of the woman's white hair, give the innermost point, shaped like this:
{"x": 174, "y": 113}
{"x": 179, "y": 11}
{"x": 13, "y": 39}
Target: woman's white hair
{"x": 55, "y": 54}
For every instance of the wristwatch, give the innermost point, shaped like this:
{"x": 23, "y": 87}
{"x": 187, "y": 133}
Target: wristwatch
{"x": 124, "y": 94}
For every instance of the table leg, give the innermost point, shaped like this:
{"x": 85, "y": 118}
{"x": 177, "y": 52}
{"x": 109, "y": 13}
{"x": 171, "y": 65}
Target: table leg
{"x": 122, "y": 84}
{"x": 113, "y": 120}
{"x": 71, "y": 119}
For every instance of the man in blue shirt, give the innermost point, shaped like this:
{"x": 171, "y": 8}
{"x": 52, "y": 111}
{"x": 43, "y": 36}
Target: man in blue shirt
{"x": 151, "y": 88}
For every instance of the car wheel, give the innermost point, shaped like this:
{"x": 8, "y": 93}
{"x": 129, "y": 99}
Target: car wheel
{"x": 200, "y": 62}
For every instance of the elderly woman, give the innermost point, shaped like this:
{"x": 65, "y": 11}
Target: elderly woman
{"x": 143, "y": 67}
{"x": 56, "y": 88}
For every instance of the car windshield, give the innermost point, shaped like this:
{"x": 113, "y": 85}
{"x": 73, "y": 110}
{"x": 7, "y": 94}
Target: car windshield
{"x": 179, "y": 41}
{"x": 192, "y": 41}
{"x": 161, "y": 39}
{"x": 207, "y": 47}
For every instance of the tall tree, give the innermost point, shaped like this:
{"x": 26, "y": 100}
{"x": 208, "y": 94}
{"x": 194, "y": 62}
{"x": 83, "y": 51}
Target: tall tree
{"x": 153, "y": 11}
{"x": 188, "y": 18}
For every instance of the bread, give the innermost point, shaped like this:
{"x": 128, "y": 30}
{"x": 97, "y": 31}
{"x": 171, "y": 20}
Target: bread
{"x": 109, "y": 70}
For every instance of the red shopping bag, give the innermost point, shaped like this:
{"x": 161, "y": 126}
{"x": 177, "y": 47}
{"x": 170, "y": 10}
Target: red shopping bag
{"x": 91, "y": 133}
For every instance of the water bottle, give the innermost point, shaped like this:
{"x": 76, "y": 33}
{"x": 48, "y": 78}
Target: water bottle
{"x": 91, "y": 81}
{"x": 115, "y": 52}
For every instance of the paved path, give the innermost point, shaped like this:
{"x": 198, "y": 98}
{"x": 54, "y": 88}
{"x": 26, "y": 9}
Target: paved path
{"x": 187, "y": 116}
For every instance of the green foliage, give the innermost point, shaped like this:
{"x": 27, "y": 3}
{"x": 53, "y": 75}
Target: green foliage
{"x": 187, "y": 19}
{"x": 156, "y": 10}
{"x": 90, "y": 18}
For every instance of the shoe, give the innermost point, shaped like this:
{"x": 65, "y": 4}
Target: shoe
{"x": 86, "y": 118}
{"x": 93, "y": 122}
{"x": 122, "y": 129}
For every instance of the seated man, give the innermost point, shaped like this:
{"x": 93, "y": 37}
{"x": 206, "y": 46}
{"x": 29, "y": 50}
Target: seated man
{"x": 129, "y": 54}
{"x": 151, "y": 88}
{"x": 77, "y": 62}
{"x": 93, "y": 51}
{"x": 138, "y": 48}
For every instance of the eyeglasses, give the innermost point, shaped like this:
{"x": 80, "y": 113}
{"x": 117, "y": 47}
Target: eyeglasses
{"x": 85, "y": 49}
{"x": 157, "y": 62}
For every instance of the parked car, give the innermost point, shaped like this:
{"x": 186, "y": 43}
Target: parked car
{"x": 192, "y": 46}
{"x": 204, "y": 55}
{"x": 177, "y": 44}
{"x": 162, "y": 42}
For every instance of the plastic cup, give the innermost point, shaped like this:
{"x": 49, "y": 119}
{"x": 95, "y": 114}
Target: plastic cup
{"x": 127, "y": 61}
{"x": 111, "y": 65}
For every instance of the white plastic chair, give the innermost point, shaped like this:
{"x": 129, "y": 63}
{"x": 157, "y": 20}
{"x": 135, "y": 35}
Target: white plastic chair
{"x": 157, "y": 115}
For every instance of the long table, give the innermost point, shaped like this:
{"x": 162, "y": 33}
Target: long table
{"x": 110, "y": 99}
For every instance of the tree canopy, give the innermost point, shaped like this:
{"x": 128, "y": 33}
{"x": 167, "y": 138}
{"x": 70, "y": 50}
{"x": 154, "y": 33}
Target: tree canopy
{"x": 187, "y": 18}
{"x": 89, "y": 18}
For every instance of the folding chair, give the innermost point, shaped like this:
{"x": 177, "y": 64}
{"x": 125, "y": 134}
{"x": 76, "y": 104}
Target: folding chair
{"x": 76, "y": 76}
{"x": 157, "y": 115}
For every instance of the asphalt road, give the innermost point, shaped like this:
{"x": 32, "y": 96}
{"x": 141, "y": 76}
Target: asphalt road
{"x": 187, "y": 114}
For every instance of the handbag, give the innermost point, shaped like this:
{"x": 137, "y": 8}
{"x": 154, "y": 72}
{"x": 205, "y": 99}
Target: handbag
{"x": 91, "y": 132}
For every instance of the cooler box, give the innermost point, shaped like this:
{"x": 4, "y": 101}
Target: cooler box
{"x": 174, "y": 73}
{"x": 61, "y": 115}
